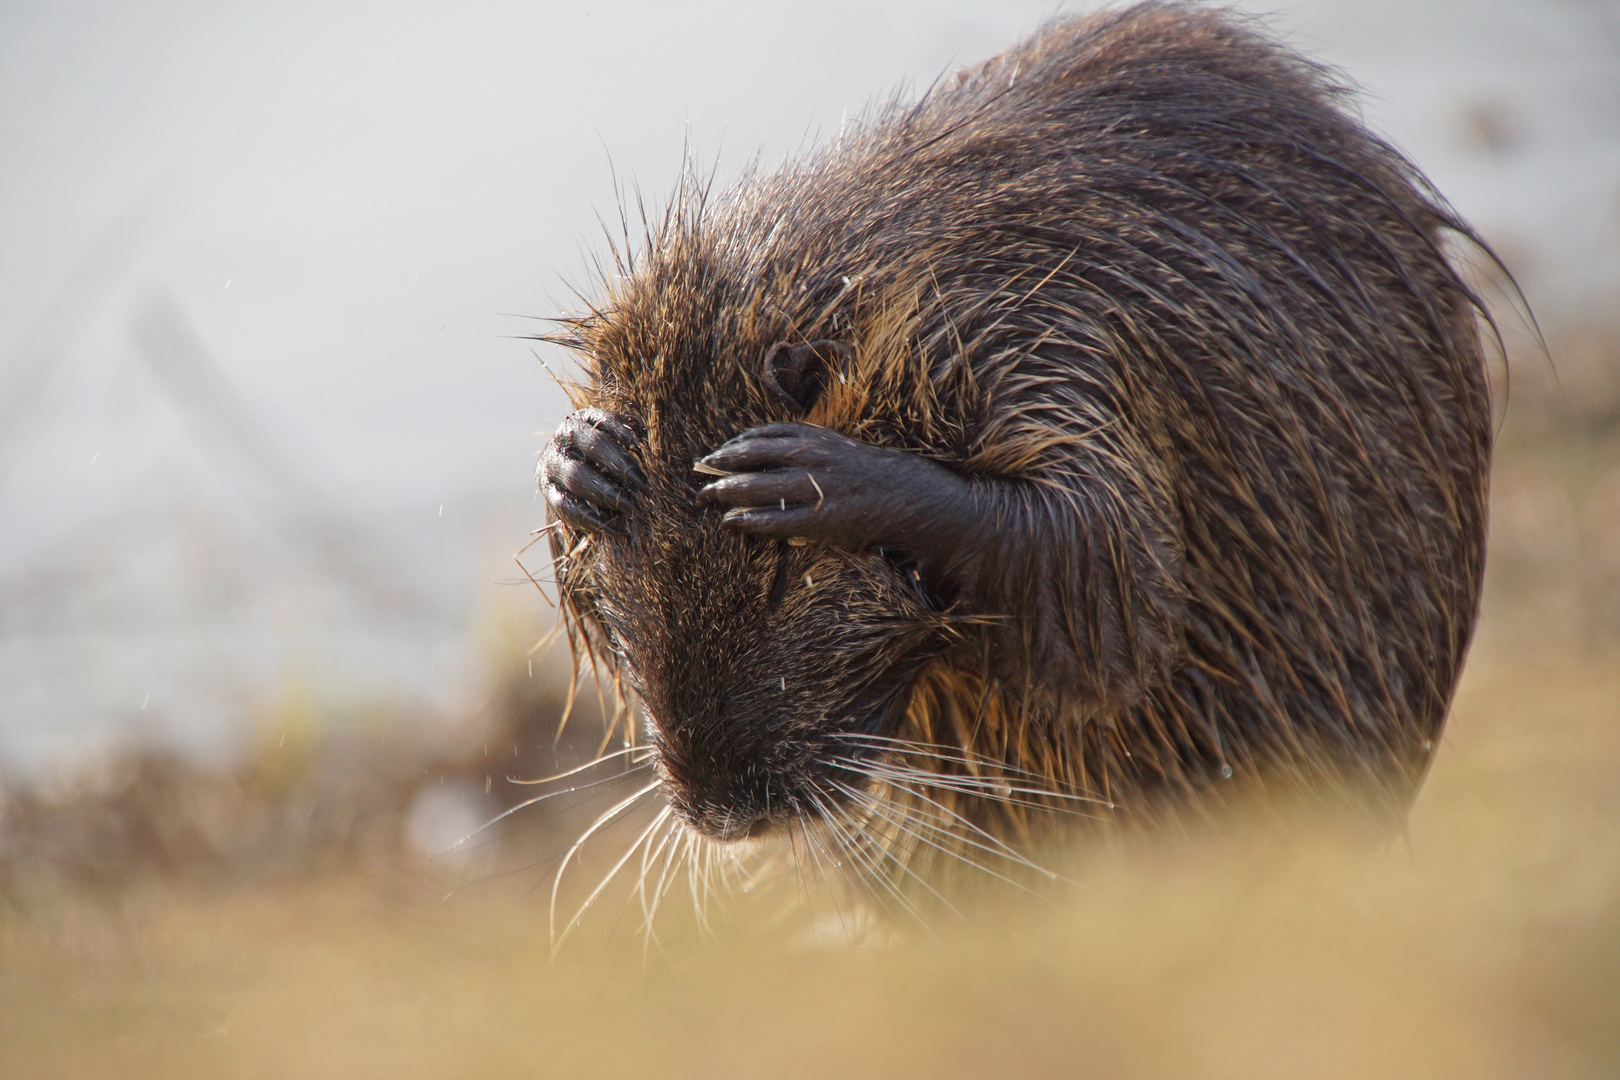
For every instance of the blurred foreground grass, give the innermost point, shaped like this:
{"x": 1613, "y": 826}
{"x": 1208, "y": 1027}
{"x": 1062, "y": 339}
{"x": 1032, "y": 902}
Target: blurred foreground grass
{"x": 1487, "y": 944}
{"x": 1484, "y": 944}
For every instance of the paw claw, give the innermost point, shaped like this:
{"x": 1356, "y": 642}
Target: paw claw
{"x": 588, "y": 473}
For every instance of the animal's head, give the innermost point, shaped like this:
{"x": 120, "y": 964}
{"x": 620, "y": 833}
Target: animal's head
{"x": 755, "y": 661}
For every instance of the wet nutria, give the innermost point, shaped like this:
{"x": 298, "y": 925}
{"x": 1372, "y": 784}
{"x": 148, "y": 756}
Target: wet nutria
{"x": 1106, "y": 431}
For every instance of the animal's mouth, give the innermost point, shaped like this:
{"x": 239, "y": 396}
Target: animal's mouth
{"x": 752, "y": 814}
{"x": 730, "y": 828}
{"x": 724, "y": 826}
{"x": 750, "y": 796}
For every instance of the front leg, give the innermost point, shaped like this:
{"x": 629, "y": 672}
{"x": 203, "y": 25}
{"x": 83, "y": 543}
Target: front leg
{"x": 1083, "y": 585}
{"x": 588, "y": 472}
{"x": 802, "y": 482}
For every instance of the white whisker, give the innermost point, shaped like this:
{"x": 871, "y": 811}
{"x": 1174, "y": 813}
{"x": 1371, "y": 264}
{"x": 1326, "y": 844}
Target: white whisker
{"x": 999, "y": 846}
{"x": 698, "y": 910}
{"x": 875, "y": 872}
{"x": 874, "y": 809}
{"x": 666, "y": 876}
{"x": 601, "y": 822}
{"x": 957, "y": 756}
{"x": 649, "y": 857}
{"x": 591, "y": 764}
{"x": 875, "y": 806}
{"x": 836, "y": 879}
{"x": 987, "y": 788}
{"x": 526, "y": 803}
{"x": 658, "y": 820}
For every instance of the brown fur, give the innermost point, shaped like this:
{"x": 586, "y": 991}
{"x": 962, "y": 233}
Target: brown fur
{"x": 1146, "y": 273}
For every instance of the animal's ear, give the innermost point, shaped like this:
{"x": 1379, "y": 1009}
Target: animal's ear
{"x": 798, "y": 373}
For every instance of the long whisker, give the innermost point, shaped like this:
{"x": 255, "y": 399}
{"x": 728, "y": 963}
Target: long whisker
{"x": 699, "y": 908}
{"x": 875, "y": 808}
{"x": 543, "y": 864}
{"x": 611, "y": 815}
{"x": 706, "y": 877}
{"x": 980, "y": 787}
{"x": 526, "y": 803}
{"x": 997, "y": 845}
{"x": 879, "y": 853}
{"x": 836, "y": 877}
{"x": 742, "y": 872}
{"x": 669, "y": 849}
{"x": 908, "y": 825}
{"x": 875, "y": 872}
{"x": 706, "y": 872}
{"x": 946, "y": 749}
{"x": 991, "y": 786}
{"x": 588, "y": 765}
{"x": 800, "y": 862}
{"x": 956, "y": 755}
{"x": 944, "y": 752}
{"x": 649, "y": 858}
{"x": 657, "y": 821}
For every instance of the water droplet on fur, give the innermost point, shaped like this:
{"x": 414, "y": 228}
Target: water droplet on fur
{"x": 1226, "y": 772}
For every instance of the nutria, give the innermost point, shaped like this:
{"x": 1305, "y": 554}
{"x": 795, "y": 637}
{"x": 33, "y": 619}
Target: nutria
{"x": 1102, "y": 434}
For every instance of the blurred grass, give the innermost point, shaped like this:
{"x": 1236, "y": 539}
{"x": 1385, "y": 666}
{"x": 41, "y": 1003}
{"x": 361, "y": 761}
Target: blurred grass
{"x": 1486, "y": 943}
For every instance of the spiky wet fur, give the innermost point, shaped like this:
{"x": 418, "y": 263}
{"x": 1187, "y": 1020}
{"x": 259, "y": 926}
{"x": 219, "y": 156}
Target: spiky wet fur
{"x": 1146, "y": 272}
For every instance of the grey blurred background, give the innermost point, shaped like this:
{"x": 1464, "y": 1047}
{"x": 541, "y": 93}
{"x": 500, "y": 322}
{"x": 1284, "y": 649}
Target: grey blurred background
{"x": 266, "y": 436}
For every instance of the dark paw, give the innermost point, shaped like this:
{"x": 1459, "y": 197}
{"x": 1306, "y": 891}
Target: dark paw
{"x": 588, "y": 472}
{"x": 801, "y": 482}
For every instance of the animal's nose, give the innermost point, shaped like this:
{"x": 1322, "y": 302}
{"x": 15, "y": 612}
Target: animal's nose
{"x": 725, "y": 823}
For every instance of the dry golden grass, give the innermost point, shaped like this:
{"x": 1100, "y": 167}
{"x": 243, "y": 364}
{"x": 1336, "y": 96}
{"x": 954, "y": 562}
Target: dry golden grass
{"x": 1484, "y": 944}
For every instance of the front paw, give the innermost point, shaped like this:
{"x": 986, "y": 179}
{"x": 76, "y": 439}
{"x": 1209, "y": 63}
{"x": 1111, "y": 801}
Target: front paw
{"x": 588, "y": 472}
{"x": 802, "y": 482}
